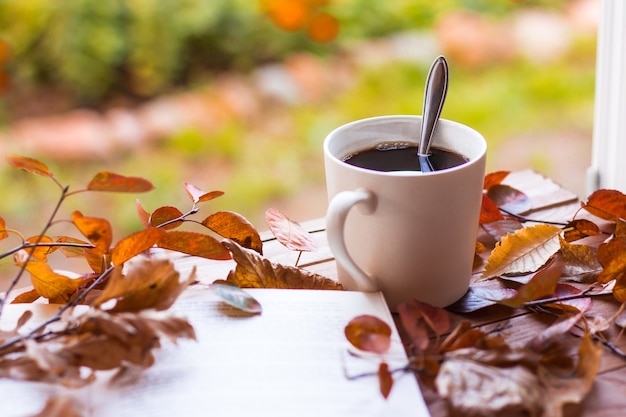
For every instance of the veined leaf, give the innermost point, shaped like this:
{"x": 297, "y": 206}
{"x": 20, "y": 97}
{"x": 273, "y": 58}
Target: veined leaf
{"x": 195, "y": 244}
{"x": 526, "y": 250}
{"x": 29, "y": 165}
{"x": 509, "y": 199}
{"x": 606, "y": 204}
{"x": 579, "y": 260}
{"x": 135, "y": 244}
{"x": 291, "y": 234}
{"x": 49, "y": 284}
{"x": 580, "y": 228}
{"x": 109, "y": 181}
{"x": 234, "y": 226}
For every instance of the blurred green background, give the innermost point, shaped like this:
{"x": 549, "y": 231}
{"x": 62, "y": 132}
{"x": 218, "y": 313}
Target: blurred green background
{"x": 220, "y": 95}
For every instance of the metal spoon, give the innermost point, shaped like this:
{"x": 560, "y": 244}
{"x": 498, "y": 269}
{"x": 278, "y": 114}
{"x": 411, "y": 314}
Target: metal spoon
{"x": 434, "y": 97}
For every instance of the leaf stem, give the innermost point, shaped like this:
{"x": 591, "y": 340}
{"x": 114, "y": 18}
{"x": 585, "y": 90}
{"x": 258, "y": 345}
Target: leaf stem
{"x": 526, "y": 219}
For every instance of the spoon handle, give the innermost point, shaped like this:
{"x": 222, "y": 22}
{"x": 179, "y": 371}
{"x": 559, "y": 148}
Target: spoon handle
{"x": 434, "y": 97}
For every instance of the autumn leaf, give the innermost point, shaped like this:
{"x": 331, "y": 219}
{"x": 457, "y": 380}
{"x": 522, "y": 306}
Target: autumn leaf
{"x": 3, "y": 229}
{"x": 30, "y": 165}
{"x": 40, "y": 253}
{"x": 195, "y": 244}
{"x": 385, "y": 379}
{"x": 234, "y": 226}
{"x": 72, "y": 251}
{"x": 478, "y": 297}
{"x": 580, "y": 228}
{"x": 164, "y": 215}
{"x": 494, "y": 178}
{"x": 238, "y": 298}
{"x": 612, "y": 256}
{"x": 525, "y": 250}
{"x": 289, "y": 233}
{"x": 418, "y": 318}
{"x": 580, "y": 261}
{"x": 142, "y": 214}
{"x": 197, "y": 195}
{"x": 541, "y": 285}
{"x": 369, "y": 333}
{"x": 148, "y": 283}
{"x": 97, "y": 230}
{"x": 509, "y": 199}
{"x": 49, "y": 284}
{"x": 108, "y": 181}
{"x": 489, "y": 211}
{"x": 606, "y": 204}
{"x": 620, "y": 230}
{"x": 135, "y": 244}
{"x": 501, "y": 228}
{"x": 254, "y": 271}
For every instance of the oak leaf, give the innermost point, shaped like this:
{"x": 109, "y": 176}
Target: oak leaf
{"x": 197, "y": 195}
{"x": 234, "y": 226}
{"x": 525, "y": 250}
{"x": 195, "y": 244}
{"x": 289, "y": 233}
{"x": 30, "y": 165}
{"x": 254, "y": 271}
{"x": 606, "y": 204}
{"x": 146, "y": 284}
{"x": 111, "y": 182}
{"x": 369, "y": 333}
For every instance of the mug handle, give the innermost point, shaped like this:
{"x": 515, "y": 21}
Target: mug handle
{"x": 338, "y": 210}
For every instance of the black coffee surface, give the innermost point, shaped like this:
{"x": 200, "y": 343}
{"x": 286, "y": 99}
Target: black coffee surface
{"x": 402, "y": 158}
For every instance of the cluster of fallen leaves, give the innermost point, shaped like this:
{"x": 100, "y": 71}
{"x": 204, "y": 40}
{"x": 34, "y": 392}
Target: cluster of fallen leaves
{"x": 115, "y": 314}
{"x": 554, "y": 269}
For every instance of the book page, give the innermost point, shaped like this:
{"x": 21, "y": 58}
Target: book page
{"x": 288, "y": 361}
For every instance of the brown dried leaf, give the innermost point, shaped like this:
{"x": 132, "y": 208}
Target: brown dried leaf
{"x": 148, "y": 284}
{"x": 494, "y": 178}
{"x": 385, "y": 379}
{"x": 29, "y": 165}
{"x": 254, "y": 271}
{"x": 108, "y": 181}
{"x": 98, "y": 231}
{"x": 553, "y": 334}
{"x": 579, "y": 260}
{"x": 580, "y": 228}
{"x": 620, "y": 230}
{"x": 165, "y": 214}
{"x": 195, "y": 244}
{"x": 417, "y": 318}
{"x": 509, "y": 199}
{"x": 135, "y": 244}
{"x": 606, "y": 204}
{"x": 197, "y": 195}
{"x": 289, "y": 233}
{"x": 541, "y": 285}
{"x": 234, "y": 226}
{"x": 525, "y": 250}
{"x": 369, "y": 333}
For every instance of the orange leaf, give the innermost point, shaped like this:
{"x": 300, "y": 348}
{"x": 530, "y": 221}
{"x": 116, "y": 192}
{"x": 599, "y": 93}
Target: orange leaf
{"x": 29, "y": 165}
{"x": 579, "y": 260}
{"x": 135, "y": 244}
{"x": 606, "y": 204}
{"x": 288, "y": 15}
{"x": 3, "y": 229}
{"x": 369, "y": 333}
{"x": 50, "y": 284}
{"x": 526, "y": 250}
{"x": 291, "y": 234}
{"x": 385, "y": 379}
{"x": 26, "y": 297}
{"x": 40, "y": 252}
{"x": 234, "y": 226}
{"x": 195, "y": 244}
{"x": 501, "y": 228}
{"x": 418, "y": 317}
{"x": 72, "y": 251}
{"x": 144, "y": 216}
{"x": 509, "y": 199}
{"x": 541, "y": 285}
{"x": 98, "y": 231}
{"x": 578, "y": 229}
{"x": 108, "y": 181}
{"x": 612, "y": 256}
{"x": 165, "y": 214}
{"x": 489, "y": 211}
{"x": 197, "y": 195}
{"x": 494, "y": 178}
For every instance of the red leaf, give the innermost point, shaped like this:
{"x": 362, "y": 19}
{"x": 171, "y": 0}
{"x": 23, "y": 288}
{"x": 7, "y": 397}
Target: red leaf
{"x": 108, "y": 181}
{"x": 369, "y": 333}
{"x": 578, "y": 229}
{"x": 197, "y": 195}
{"x": 144, "y": 216}
{"x": 135, "y": 244}
{"x": 291, "y": 234}
{"x": 489, "y": 211}
{"x": 606, "y": 204}
{"x": 165, "y": 214}
{"x": 195, "y": 244}
{"x": 29, "y": 165}
{"x": 234, "y": 226}
{"x": 494, "y": 178}
{"x": 385, "y": 379}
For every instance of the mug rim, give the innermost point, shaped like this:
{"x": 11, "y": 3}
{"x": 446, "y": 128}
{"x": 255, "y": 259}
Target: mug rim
{"x": 481, "y": 153}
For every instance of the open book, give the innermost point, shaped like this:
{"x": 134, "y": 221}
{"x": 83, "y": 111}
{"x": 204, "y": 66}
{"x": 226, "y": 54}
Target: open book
{"x": 291, "y": 360}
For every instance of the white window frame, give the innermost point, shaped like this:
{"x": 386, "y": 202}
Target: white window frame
{"x": 608, "y": 162}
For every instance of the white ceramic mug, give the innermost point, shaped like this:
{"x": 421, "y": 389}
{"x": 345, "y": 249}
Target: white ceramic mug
{"x": 411, "y": 235}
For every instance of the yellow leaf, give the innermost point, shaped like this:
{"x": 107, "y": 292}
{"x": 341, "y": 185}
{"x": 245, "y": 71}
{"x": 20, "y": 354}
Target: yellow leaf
{"x": 525, "y": 250}
{"x": 29, "y": 165}
{"x": 149, "y": 283}
{"x": 50, "y": 284}
{"x": 254, "y": 271}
